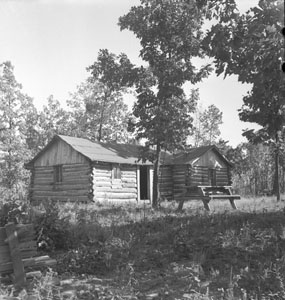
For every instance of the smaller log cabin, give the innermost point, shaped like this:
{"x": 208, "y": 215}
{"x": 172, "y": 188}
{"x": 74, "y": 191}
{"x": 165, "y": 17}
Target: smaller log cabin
{"x": 202, "y": 166}
{"x": 76, "y": 169}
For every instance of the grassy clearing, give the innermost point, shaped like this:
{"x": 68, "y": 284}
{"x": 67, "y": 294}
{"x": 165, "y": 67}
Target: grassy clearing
{"x": 129, "y": 252}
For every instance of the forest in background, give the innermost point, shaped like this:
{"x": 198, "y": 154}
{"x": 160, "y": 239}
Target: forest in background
{"x": 26, "y": 130}
{"x": 97, "y": 111}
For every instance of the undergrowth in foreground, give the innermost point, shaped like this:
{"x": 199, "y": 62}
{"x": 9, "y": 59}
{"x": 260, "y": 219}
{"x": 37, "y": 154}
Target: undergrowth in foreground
{"x": 139, "y": 253}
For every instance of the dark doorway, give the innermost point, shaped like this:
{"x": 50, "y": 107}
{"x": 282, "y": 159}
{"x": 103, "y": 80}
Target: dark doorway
{"x": 213, "y": 177}
{"x": 143, "y": 182}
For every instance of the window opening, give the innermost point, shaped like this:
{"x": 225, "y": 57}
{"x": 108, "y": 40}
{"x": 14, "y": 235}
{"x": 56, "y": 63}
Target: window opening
{"x": 213, "y": 177}
{"x": 116, "y": 172}
{"x": 57, "y": 171}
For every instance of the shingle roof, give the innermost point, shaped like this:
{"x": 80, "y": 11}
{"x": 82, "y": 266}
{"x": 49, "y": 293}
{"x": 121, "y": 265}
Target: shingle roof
{"x": 194, "y": 153}
{"x": 123, "y": 153}
{"x": 105, "y": 152}
{"x": 98, "y": 152}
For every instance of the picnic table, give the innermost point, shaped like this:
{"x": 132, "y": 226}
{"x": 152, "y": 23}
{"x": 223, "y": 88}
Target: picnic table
{"x": 207, "y": 194}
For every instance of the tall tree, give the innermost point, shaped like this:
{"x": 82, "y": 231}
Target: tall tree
{"x": 15, "y": 107}
{"x": 253, "y": 168}
{"x": 170, "y": 34}
{"x": 96, "y": 116}
{"x": 53, "y": 119}
{"x": 112, "y": 75}
{"x": 207, "y": 125}
{"x": 250, "y": 46}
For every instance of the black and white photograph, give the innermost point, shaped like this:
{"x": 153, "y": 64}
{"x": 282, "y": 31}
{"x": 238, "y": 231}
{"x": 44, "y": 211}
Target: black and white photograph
{"x": 142, "y": 150}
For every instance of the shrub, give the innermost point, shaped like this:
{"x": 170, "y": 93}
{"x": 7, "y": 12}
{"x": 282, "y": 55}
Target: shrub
{"x": 14, "y": 211}
{"x": 53, "y": 230}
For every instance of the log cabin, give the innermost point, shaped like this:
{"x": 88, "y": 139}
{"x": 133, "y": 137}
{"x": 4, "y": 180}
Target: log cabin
{"x": 202, "y": 166}
{"x": 200, "y": 173}
{"x": 76, "y": 169}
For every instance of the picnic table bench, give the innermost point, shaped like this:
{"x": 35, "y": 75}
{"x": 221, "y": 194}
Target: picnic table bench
{"x": 18, "y": 252}
{"x": 208, "y": 193}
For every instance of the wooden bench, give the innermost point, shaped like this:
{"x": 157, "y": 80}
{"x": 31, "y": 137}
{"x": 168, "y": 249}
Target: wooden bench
{"x": 18, "y": 252}
{"x": 208, "y": 193}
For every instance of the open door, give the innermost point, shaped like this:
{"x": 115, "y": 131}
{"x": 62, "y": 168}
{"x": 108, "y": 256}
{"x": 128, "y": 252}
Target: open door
{"x": 144, "y": 183}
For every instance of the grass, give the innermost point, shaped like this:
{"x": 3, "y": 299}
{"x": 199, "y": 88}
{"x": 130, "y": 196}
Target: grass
{"x": 134, "y": 252}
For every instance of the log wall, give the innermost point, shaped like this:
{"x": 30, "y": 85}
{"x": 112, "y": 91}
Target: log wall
{"x": 107, "y": 188}
{"x": 166, "y": 182}
{"x": 76, "y": 184}
{"x": 179, "y": 177}
{"x": 199, "y": 175}
{"x": 223, "y": 177}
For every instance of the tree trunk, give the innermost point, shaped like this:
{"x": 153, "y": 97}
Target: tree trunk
{"x": 156, "y": 193}
{"x": 276, "y": 187}
{"x": 106, "y": 96}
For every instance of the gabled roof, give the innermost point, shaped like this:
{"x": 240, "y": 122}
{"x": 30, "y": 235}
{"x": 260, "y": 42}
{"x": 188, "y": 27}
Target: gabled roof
{"x": 193, "y": 154}
{"x": 97, "y": 152}
{"x": 105, "y": 152}
{"x": 124, "y": 153}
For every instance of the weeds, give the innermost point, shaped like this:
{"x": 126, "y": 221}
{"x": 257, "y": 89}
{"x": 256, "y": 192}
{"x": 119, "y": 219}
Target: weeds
{"x": 192, "y": 255}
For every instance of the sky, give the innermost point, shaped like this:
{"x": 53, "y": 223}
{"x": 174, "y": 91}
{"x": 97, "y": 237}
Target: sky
{"x": 51, "y": 43}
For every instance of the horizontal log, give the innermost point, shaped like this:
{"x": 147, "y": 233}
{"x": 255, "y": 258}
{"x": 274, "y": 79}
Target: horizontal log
{"x": 76, "y": 174}
{"x": 76, "y": 167}
{"x": 222, "y": 176}
{"x": 179, "y": 167}
{"x": 61, "y": 198}
{"x": 25, "y": 253}
{"x": 102, "y": 189}
{"x": 176, "y": 179}
{"x": 129, "y": 180}
{"x": 116, "y": 195}
{"x": 61, "y": 193}
{"x": 35, "y": 262}
{"x": 69, "y": 191}
{"x": 61, "y": 186}
{"x": 107, "y": 191}
{"x": 24, "y": 232}
{"x": 115, "y": 200}
{"x": 43, "y": 173}
{"x": 181, "y": 182}
{"x": 200, "y": 173}
{"x": 165, "y": 188}
{"x": 125, "y": 190}
{"x": 42, "y": 167}
{"x": 102, "y": 178}
{"x": 129, "y": 173}
{"x": 116, "y": 187}
{"x": 42, "y": 181}
{"x": 127, "y": 177}
{"x": 44, "y": 176}
{"x": 102, "y": 184}
{"x": 102, "y": 171}
{"x": 78, "y": 180}
{"x": 129, "y": 185}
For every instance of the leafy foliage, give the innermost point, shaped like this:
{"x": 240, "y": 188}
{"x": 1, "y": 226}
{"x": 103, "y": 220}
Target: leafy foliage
{"x": 250, "y": 46}
{"x": 206, "y": 125}
{"x": 111, "y": 77}
{"x": 93, "y": 112}
{"x": 15, "y": 109}
{"x": 52, "y": 229}
{"x": 170, "y": 35}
